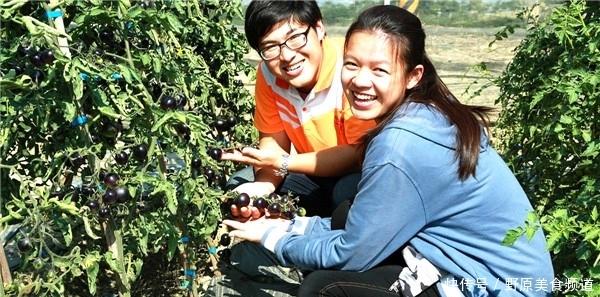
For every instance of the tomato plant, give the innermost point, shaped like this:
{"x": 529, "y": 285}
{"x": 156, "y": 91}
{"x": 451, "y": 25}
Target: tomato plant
{"x": 550, "y": 135}
{"x": 108, "y": 110}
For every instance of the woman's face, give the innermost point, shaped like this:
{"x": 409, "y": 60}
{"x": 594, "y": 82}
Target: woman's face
{"x": 374, "y": 80}
{"x": 299, "y": 67}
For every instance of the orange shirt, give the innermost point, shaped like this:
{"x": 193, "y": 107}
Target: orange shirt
{"x": 322, "y": 120}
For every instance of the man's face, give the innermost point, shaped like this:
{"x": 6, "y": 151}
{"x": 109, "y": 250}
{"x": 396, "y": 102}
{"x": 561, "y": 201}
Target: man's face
{"x": 299, "y": 67}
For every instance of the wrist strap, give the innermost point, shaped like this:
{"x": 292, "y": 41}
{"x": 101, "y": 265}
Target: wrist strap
{"x": 283, "y": 171}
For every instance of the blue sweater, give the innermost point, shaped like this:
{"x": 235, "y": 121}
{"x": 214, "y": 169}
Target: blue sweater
{"x": 410, "y": 193}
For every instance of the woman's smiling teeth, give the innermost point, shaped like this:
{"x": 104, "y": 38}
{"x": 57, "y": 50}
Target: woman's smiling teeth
{"x": 363, "y": 97}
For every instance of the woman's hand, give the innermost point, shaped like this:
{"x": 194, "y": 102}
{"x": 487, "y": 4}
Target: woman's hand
{"x": 256, "y": 189}
{"x": 255, "y": 230}
{"x": 256, "y": 157}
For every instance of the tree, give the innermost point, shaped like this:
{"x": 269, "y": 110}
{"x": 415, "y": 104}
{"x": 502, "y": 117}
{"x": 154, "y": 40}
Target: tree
{"x": 105, "y": 133}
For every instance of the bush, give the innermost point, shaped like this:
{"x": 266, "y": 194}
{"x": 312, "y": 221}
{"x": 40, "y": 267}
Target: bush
{"x": 104, "y": 138}
{"x": 549, "y": 129}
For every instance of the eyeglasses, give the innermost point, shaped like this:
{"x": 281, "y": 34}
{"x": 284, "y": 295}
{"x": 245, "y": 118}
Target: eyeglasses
{"x": 296, "y": 41}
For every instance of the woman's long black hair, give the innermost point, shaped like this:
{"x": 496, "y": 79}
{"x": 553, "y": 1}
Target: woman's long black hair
{"x": 406, "y": 31}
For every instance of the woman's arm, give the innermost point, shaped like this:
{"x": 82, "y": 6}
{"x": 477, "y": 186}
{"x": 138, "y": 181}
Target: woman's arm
{"x": 386, "y": 214}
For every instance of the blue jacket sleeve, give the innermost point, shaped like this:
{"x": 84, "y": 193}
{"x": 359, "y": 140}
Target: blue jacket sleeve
{"x": 386, "y": 214}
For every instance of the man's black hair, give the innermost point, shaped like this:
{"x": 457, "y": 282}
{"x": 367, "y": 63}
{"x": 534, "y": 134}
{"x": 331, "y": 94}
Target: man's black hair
{"x": 262, "y": 15}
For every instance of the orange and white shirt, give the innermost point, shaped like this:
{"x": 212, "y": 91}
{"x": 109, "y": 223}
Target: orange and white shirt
{"x": 322, "y": 120}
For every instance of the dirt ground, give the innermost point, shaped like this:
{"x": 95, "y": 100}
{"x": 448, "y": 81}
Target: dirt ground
{"x": 455, "y": 52}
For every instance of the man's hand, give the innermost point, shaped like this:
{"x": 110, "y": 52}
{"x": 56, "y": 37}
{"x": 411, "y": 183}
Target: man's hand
{"x": 256, "y": 157}
{"x": 254, "y": 230}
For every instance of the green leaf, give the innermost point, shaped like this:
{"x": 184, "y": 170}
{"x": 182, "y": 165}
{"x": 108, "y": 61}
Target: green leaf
{"x": 88, "y": 229}
{"x": 565, "y": 119}
{"x": 162, "y": 121}
{"x": 595, "y": 214}
{"x": 512, "y": 235}
{"x": 174, "y": 22}
{"x": 91, "y": 265}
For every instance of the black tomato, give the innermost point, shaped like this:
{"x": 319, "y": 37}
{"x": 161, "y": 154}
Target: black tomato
{"x": 111, "y": 179}
{"x": 104, "y": 212}
{"x": 47, "y": 56}
{"x": 231, "y": 121}
{"x": 110, "y": 196}
{"x": 87, "y": 191}
{"x": 37, "y": 76}
{"x": 140, "y": 152}
{"x": 274, "y": 208}
{"x": 225, "y": 240}
{"x": 122, "y": 194}
{"x": 221, "y": 125}
{"x": 107, "y": 37}
{"x": 168, "y": 102}
{"x": 181, "y": 101}
{"x": 36, "y": 60}
{"x": 242, "y": 200}
{"x": 261, "y": 203}
{"x": 121, "y": 158}
{"x": 76, "y": 160}
{"x": 215, "y": 153}
{"x": 210, "y": 174}
{"x": 93, "y": 204}
{"x": 24, "y": 244}
{"x": 196, "y": 163}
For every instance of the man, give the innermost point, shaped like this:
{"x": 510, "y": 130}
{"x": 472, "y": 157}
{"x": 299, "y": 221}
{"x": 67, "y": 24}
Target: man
{"x": 299, "y": 103}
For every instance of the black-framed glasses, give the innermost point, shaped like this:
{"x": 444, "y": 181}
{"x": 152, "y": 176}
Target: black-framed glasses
{"x": 296, "y": 41}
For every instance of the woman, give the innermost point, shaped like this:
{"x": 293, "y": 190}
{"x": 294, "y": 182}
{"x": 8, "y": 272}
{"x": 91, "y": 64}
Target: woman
{"x": 431, "y": 187}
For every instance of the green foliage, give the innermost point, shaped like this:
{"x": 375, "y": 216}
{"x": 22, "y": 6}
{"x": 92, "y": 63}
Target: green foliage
{"x": 145, "y": 81}
{"x": 549, "y": 132}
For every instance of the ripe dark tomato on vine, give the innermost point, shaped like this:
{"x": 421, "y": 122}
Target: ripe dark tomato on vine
{"x": 111, "y": 179}
{"x": 104, "y": 212}
{"x": 273, "y": 196}
{"x": 168, "y": 102}
{"x": 140, "y": 152}
{"x": 24, "y": 244}
{"x": 101, "y": 175}
{"x": 93, "y": 204}
{"x": 242, "y": 200}
{"x": 121, "y": 158}
{"x": 209, "y": 174}
{"x": 110, "y": 196}
{"x": 36, "y": 60}
{"x": 183, "y": 130}
{"x": 76, "y": 160}
{"x": 98, "y": 52}
{"x": 18, "y": 69}
{"x": 87, "y": 191}
{"x": 47, "y": 56}
{"x": 215, "y": 153}
{"x": 225, "y": 239}
{"x": 37, "y": 76}
{"x": 231, "y": 121}
{"x": 219, "y": 180}
{"x": 221, "y": 125}
{"x": 196, "y": 163}
{"x": 107, "y": 37}
{"x": 122, "y": 194}
{"x": 181, "y": 101}
{"x": 144, "y": 43}
{"x": 261, "y": 203}
{"x": 274, "y": 208}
